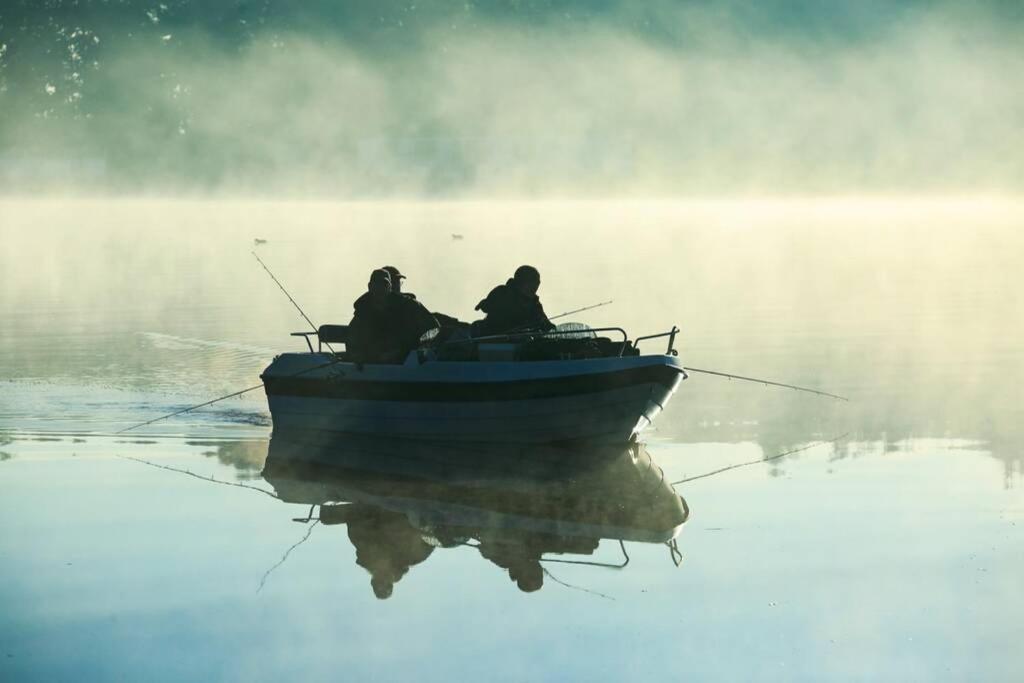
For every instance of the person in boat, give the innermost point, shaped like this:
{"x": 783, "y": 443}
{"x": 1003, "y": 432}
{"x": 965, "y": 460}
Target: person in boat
{"x": 386, "y": 326}
{"x": 396, "y": 282}
{"x": 514, "y": 306}
{"x": 448, "y": 324}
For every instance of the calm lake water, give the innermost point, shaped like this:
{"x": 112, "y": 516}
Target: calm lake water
{"x": 888, "y": 543}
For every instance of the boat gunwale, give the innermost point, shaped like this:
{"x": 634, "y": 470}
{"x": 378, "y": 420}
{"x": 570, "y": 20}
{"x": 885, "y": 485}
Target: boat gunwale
{"x": 410, "y": 388}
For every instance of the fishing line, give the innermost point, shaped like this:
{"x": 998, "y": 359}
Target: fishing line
{"x": 560, "y": 315}
{"x": 276, "y": 281}
{"x": 758, "y": 462}
{"x": 190, "y": 408}
{"x": 554, "y": 578}
{"x": 288, "y": 552}
{"x": 523, "y": 327}
{"x": 177, "y": 470}
{"x": 222, "y": 398}
{"x": 766, "y": 382}
{"x": 252, "y": 388}
{"x": 197, "y": 476}
{"x": 580, "y": 310}
{"x": 470, "y": 544}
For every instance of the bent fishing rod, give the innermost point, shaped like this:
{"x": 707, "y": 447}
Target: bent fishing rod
{"x": 278, "y": 283}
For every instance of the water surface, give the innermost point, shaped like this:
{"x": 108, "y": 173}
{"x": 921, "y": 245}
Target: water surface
{"x": 887, "y": 544}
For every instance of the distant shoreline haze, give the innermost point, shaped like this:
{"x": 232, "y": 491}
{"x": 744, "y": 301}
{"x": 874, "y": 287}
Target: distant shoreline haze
{"x": 488, "y": 99}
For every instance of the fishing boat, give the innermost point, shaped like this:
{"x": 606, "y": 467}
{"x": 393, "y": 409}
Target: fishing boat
{"x": 561, "y": 387}
{"x": 522, "y": 506}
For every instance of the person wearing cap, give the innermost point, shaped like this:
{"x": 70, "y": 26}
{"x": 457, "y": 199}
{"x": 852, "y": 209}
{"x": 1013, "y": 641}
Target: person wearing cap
{"x": 448, "y": 323}
{"x": 386, "y": 326}
{"x": 514, "y": 306}
{"x": 396, "y": 282}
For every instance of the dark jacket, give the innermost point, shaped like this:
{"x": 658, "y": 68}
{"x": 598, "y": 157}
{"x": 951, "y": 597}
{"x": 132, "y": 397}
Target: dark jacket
{"x": 510, "y": 310}
{"x": 388, "y": 334}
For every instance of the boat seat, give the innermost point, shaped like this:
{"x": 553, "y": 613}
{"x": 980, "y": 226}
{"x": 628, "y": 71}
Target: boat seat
{"x": 337, "y": 334}
{"x": 327, "y": 334}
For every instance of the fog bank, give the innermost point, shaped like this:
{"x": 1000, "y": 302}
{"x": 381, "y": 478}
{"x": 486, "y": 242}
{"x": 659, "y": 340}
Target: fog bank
{"x": 692, "y": 102}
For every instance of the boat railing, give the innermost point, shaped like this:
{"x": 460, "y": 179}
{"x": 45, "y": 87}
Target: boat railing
{"x": 518, "y": 336}
{"x": 339, "y": 334}
{"x": 671, "y": 334}
{"x": 325, "y": 334}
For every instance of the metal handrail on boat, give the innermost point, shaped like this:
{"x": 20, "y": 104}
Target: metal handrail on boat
{"x": 518, "y": 336}
{"x": 551, "y": 333}
{"x": 671, "y": 334}
{"x": 325, "y": 334}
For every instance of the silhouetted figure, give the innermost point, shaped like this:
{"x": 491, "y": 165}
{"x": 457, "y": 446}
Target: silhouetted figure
{"x": 519, "y": 557}
{"x": 386, "y": 544}
{"x": 514, "y": 306}
{"x": 447, "y": 323}
{"x": 396, "y": 282}
{"x": 386, "y": 326}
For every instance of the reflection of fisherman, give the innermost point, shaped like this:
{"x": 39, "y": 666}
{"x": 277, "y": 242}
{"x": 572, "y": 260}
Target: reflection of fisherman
{"x": 386, "y": 326}
{"x": 520, "y": 556}
{"x": 386, "y": 544}
{"x": 514, "y": 306}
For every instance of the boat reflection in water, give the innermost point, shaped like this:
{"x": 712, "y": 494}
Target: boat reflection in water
{"x": 519, "y": 506}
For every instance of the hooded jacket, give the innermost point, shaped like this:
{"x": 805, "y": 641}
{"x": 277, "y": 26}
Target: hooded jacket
{"x": 508, "y": 310}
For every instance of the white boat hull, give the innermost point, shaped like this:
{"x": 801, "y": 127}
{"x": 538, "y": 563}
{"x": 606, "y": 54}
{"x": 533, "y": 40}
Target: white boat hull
{"x": 605, "y": 400}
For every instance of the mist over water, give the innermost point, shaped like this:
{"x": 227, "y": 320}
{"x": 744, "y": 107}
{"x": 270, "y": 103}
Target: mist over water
{"x": 900, "y": 304}
{"x": 819, "y": 193}
{"x": 562, "y": 99}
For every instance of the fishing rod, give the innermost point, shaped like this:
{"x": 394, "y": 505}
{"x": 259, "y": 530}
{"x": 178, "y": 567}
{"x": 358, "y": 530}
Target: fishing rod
{"x": 222, "y": 398}
{"x": 190, "y": 408}
{"x": 514, "y": 330}
{"x": 766, "y": 382}
{"x": 560, "y": 315}
{"x": 276, "y": 281}
{"x": 252, "y": 388}
{"x": 580, "y": 310}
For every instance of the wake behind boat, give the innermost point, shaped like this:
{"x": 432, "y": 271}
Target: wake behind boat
{"x": 563, "y": 386}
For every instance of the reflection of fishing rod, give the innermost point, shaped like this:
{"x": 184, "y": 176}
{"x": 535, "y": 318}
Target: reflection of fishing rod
{"x": 759, "y": 462}
{"x": 276, "y": 281}
{"x": 766, "y": 382}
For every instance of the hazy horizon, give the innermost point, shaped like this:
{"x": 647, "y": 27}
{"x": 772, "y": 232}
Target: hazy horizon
{"x": 503, "y": 99}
